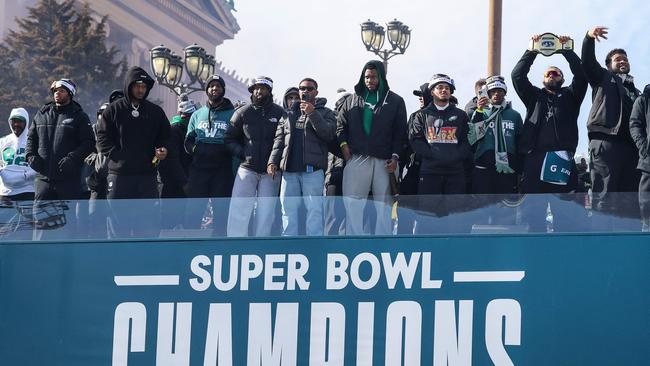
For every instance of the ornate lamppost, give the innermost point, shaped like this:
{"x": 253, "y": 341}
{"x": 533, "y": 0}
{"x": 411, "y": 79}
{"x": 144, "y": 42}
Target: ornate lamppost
{"x": 168, "y": 68}
{"x": 373, "y": 36}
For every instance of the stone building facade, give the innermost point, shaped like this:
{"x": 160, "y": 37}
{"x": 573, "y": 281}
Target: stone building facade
{"x": 137, "y": 26}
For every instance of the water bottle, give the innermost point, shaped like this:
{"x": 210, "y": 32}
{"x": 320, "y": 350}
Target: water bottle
{"x": 549, "y": 219}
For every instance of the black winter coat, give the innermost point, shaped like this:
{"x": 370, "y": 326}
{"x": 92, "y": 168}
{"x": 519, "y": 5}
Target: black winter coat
{"x": 611, "y": 104}
{"x": 58, "y": 141}
{"x": 640, "y": 128}
{"x": 320, "y": 129}
{"x": 174, "y": 170}
{"x": 251, "y": 133}
{"x": 388, "y": 130}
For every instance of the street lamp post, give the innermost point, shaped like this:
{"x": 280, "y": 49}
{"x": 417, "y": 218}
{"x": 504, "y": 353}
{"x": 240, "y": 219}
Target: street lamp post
{"x": 373, "y": 37}
{"x": 167, "y": 67}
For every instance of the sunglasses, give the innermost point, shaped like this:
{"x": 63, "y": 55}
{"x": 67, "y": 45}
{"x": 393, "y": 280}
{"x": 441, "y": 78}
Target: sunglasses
{"x": 306, "y": 88}
{"x": 552, "y": 73}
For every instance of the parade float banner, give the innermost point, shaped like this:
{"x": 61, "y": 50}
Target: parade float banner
{"x": 458, "y": 301}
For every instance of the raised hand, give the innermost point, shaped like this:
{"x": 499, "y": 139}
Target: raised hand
{"x": 598, "y": 32}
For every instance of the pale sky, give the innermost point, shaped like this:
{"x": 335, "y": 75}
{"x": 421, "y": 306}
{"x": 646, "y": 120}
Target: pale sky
{"x": 289, "y": 40}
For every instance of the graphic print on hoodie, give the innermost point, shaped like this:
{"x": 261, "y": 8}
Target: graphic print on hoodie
{"x": 15, "y": 174}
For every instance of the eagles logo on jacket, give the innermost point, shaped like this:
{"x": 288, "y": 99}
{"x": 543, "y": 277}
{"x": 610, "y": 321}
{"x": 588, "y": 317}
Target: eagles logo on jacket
{"x": 439, "y": 137}
{"x": 16, "y": 176}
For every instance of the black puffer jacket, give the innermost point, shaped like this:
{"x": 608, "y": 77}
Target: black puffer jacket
{"x": 320, "y": 128}
{"x": 640, "y": 128}
{"x": 551, "y": 122}
{"x": 251, "y": 133}
{"x": 388, "y": 131}
{"x": 58, "y": 141}
{"x": 130, "y": 142}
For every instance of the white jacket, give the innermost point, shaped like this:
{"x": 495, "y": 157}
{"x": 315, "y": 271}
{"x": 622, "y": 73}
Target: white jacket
{"x": 15, "y": 174}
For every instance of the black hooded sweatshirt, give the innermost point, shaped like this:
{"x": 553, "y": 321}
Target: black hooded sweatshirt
{"x": 388, "y": 130}
{"x": 291, "y": 90}
{"x": 130, "y": 142}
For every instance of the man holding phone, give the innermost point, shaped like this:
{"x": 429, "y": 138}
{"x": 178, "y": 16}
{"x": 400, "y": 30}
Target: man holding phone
{"x": 300, "y": 151}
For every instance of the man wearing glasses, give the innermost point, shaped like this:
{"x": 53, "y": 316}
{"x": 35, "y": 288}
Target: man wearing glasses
{"x": 550, "y": 132}
{"x": 300, "y": 151}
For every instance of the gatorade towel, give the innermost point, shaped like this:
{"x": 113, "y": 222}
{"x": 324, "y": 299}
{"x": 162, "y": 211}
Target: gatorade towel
{"x": 556, "y": 168}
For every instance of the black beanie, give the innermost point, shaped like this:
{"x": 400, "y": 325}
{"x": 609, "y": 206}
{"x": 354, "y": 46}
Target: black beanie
{"x": 219, "y": 79}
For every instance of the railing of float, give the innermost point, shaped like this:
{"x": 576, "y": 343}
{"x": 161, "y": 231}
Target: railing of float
{"x": 458, "y": 280}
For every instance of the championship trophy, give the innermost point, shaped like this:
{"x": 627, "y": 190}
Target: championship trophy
{"x": 549, "y": 43}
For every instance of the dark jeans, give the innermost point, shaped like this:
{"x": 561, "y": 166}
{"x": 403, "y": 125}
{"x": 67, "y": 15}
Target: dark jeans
{"x": 134, "y": 205}
{"x": 47, "y": 190}
{"x": 438, "y": 196}
{"x": 488, "y": 181}
{"x": 613, "y": 169}
{"x": 209, "y": 183}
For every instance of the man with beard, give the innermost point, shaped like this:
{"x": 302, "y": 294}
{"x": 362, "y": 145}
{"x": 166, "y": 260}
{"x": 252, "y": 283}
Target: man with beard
{"x": 300, "y": 152}
{"x": 438, "y": 135}
{"x": 550, "y": 131}
{"x": 59, "y": 139}
{"x": 132, "y": 134}
{"x": 371, "y": 131}
{"x": 211, "y": 170}
{"x": 16, "y": 177}
{"x": 250, "y": 138}
{"x": 613, "y": 155}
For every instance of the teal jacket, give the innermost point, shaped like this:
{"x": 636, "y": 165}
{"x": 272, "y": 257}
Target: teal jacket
{"x": 205, "y": 132}
{"x": 512, "y": 127}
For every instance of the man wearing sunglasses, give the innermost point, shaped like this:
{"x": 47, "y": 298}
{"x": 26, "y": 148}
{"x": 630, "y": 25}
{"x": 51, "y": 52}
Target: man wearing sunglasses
{"x": 550, "y": 132}
{"x": 300, "y": 151}
{"x": 612, "y": 151}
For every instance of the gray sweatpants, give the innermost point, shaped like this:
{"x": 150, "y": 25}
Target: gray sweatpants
{"x": 252, "y": 191}
{"x": 361, "y": 175}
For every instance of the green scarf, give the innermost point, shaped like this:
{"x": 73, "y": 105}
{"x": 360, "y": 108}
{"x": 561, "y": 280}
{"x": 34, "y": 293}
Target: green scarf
{"x": 477, "y": 132}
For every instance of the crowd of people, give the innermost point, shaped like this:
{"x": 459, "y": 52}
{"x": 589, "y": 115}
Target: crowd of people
{"x": 365, "y": 150}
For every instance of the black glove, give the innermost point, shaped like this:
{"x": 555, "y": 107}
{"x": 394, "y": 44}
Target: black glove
{"x": 37, "y": 163}
{"x": 66, "y": 165}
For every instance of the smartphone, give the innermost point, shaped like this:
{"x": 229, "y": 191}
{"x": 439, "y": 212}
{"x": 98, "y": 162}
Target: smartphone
{"x": 483, "y": 92}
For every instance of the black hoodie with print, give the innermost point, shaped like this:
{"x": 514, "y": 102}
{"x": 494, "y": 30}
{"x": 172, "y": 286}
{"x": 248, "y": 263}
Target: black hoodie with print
{"x": 388, "y": 129}
{"x": 130, "y": 142}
